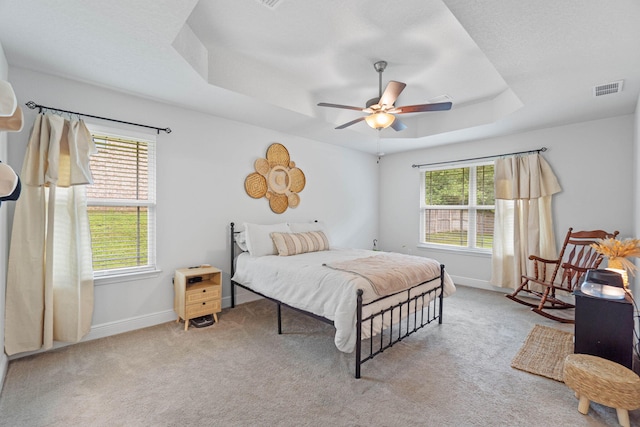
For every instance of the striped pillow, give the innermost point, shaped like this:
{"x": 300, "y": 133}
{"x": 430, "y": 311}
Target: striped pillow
{"x": 300, "y": 243}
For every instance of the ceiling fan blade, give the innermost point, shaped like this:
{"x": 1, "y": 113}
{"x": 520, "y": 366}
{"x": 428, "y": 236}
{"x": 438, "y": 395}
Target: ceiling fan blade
{"x": 391, "y": 93}
{"x": 346, "y": 107}
{"x": 397, "y": 125}
{"x": 439, "y": 106}
{"x": 352, "y": 122}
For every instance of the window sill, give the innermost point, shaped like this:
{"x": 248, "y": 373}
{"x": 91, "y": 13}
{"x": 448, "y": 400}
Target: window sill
{"x": 118, "y": 278}
{"x": 484, "y": 253}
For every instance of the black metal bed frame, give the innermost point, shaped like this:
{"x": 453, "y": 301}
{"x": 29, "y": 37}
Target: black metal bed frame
{"x": 434, "y": 306}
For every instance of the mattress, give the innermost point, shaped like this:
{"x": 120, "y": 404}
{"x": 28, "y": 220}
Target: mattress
{"x": 303, "y": 282}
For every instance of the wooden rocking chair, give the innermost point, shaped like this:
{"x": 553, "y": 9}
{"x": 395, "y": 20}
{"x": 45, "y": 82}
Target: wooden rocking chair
{"x": 575, "y": 258}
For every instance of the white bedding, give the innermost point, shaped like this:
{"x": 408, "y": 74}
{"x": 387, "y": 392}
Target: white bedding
{"x": 303, "y": 282}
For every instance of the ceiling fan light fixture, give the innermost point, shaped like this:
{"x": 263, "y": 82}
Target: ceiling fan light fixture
{"x": 380, "y": 120}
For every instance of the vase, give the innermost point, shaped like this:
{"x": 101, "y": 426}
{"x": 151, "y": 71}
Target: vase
{"x": 615, "y": 264}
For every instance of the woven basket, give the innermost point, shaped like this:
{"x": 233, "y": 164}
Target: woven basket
{"x": 256, "y": 185}
{"x": 262, "y": 166}
{"x": 278, "y": 202}
{"x": 278, "y": 180}
{"x": 294, "y": 200}
{"x": 297, "y": 180}
{"x": 277, "y": 155}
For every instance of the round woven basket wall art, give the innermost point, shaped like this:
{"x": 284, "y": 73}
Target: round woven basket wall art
{"x": 277, "y": 179}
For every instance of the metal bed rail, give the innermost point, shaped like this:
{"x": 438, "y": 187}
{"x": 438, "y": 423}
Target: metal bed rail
{"x": 430, "y": 300}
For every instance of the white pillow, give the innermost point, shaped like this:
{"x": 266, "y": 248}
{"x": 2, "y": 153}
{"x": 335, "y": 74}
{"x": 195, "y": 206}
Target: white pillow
{"x": 303, "y": 227}
{"x": 241, "y": 241}
{"x": 259, "y": 242}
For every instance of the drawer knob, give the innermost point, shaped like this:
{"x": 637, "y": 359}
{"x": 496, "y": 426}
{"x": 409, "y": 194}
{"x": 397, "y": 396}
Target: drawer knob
{"x": 204, "y": 303}
{"x": 204, "y": 290}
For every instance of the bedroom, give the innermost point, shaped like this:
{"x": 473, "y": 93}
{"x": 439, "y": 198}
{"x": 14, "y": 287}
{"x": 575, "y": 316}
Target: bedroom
{"x": 202, "y": 165}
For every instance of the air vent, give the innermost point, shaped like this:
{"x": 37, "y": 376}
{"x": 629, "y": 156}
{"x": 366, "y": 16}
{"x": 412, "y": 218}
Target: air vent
{"x": 441, "y": 98}
{"x": 270, "y": 4}
{"x": 609, "y": 88}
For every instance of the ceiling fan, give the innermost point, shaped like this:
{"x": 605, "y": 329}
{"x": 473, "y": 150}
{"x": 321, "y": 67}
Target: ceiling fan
{"x": 381, "y": 109}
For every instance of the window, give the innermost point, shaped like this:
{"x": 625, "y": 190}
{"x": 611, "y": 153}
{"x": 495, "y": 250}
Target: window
{"x": 457, "y": 206}
{"x": 121, "y": 205}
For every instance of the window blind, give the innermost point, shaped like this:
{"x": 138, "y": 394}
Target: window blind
{"x": 457, "y": 206}
{"x": 122, "y": 205}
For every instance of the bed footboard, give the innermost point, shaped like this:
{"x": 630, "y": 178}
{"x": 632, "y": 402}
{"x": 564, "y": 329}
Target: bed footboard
{"x": 421, "y": 309}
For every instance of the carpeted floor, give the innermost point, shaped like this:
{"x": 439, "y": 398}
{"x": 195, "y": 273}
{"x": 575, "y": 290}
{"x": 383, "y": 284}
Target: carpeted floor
{"x": 241, "y": 373}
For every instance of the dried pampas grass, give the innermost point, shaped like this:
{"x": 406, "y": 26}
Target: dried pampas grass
{"x": 620, "y": 251}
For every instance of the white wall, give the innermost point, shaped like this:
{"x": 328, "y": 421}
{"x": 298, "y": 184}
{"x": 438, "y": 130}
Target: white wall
{"x": 593, "y": 162}
{"x": 201, "y": 167}
{"x": 4, "y": 71}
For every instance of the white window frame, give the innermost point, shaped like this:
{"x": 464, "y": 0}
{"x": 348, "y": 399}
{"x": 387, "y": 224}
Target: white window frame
{"x": 150, "y": 269}
{"x": 472, "y": 207}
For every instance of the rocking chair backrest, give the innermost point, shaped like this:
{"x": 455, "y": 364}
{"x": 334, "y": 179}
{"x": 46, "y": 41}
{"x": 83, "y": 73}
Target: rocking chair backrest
{"x": 577, "y": 256}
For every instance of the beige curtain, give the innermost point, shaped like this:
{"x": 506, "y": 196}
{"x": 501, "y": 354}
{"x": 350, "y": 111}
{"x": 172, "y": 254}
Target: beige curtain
{"x": 50, "y": 278}
{"x": 524, "y": 186}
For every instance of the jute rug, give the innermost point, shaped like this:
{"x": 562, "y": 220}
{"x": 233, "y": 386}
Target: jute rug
{"x": 544, "y": 351}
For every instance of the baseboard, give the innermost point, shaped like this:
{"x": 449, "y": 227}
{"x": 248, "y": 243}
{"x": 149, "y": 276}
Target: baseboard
{"x": 242, "y": 296}
{"x": 480, "y": 284}
{"x": 130, "y": 324}
{"x": 4, "y": 366}
{"x": 113, "y": 328}
{"x": 133, "y": 323}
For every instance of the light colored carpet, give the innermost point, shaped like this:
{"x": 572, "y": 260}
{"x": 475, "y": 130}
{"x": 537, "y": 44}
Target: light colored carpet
{"x": 544, "y": 351}
{"x": 240, "y": 372}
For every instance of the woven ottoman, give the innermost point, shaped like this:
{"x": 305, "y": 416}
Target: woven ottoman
{"x": 602, "y": 381}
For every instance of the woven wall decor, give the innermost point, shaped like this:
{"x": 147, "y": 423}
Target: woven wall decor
{"x": 277, "y": 178}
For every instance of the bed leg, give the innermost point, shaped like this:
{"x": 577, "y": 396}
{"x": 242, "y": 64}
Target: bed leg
{"x": 233, "y": 294}
{"x": 232, "y": 270}
{"x": 358, "y": 332}
{"x": 441, "y": 292}
{"x": 279, "y": 319}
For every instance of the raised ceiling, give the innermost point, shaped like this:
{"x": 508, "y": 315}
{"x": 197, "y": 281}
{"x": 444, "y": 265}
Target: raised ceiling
{"x": 506, "y": 65}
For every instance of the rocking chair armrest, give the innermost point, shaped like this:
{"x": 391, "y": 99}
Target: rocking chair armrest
{"x": 546, "y": 261}
{"x": 568, "y": 266}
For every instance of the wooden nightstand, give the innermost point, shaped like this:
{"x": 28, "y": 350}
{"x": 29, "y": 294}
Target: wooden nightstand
{"x": 197, "y": 292}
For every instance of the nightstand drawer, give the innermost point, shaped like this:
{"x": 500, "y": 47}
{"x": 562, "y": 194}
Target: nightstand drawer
{"x": 200, "y": 309}
{"x": 202, "y": 292}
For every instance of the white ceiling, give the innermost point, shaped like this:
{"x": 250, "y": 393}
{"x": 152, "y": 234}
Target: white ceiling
{"x": 507, "y": 65}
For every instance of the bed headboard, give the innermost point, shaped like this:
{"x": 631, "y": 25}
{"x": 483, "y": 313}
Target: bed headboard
{"x": 233, "y": 245}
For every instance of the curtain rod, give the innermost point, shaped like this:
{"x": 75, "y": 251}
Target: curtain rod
{"x": 33, "y": 106}
{"x": 543, "y": 149}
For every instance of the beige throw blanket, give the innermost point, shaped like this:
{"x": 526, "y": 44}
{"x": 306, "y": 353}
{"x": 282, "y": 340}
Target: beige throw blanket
{"x": 391, "y": 272}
